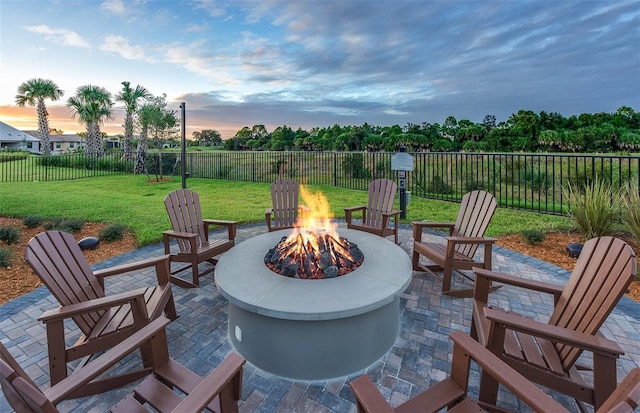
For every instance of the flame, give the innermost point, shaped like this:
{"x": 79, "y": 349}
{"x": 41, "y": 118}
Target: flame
{"x": 314, "y": 217}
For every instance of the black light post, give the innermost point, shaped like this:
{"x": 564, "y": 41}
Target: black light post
{"x": 183, "y": 155}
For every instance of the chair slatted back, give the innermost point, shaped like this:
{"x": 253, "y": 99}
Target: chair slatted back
{"x": 284, "y": 199}
{"x": 476, "y": 210}
{"x": 602, "y": 274}
{"x": 382, "y": 193}
{"x": 58, "y": 261}
{"x": 183, "y": 207}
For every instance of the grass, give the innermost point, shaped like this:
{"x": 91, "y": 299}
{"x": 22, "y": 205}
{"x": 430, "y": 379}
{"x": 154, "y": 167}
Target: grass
{"x": 131, "y": 201}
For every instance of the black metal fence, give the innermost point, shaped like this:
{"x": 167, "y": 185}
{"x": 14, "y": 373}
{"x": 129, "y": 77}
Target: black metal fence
{"x": 525, "y": 181}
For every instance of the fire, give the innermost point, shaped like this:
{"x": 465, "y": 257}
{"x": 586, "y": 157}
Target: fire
{"x": 314, "y": 217}
{"x": 314, "y": 249}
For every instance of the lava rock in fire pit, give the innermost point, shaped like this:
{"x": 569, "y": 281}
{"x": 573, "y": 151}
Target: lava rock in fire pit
{"x": 331, "y": 271}
{"x": 356, "y": 253}
{"x": 289, "y": 267}
{"x": 325, "y": 260}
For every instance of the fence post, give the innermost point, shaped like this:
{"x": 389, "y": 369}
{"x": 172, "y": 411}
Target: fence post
{"x": 335, "y": 169}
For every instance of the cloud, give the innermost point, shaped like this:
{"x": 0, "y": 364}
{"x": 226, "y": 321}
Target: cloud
{"x": 121, "y": 46}
{"x": 116, "y": 7}
{"x": 60, "y": 36}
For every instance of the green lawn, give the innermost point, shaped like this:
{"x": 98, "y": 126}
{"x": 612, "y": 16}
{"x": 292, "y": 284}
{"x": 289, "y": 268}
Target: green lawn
{"x": 132, "y": 201}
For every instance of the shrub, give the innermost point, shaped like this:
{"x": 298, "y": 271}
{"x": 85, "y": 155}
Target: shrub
{"x": 113, "y": 232}
{"x": 439, "y": 186}
{"x": 5, "y": 257}
{"x": 631, "y": 210}
{"x": 10, "y": 235}
{"x": 53, "y": 224}
{"x": 595, "y": 210}
{"x": 71, "y": 225}
{"x": 532, "y": 236}
{"x": 32, "y": 221}
{"x": 353, "y": 166}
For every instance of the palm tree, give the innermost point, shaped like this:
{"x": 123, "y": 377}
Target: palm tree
{"x": 33, "y": 93}
{"x": 130, "y": 97}
{"x": 93, "y": 105}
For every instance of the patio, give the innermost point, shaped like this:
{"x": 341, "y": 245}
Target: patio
{"x": 419, "y": 357}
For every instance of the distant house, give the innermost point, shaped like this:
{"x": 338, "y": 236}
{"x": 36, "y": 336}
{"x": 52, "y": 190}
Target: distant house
{"x": 13, "y": 138}
{"x": 65, "y": 143}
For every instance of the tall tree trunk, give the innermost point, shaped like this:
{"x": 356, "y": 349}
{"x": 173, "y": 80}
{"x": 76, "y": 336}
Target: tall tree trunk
{"x": 95, "y": 147}
{"x": 141, "y": 153}
{"x": 128, "y": 136}
{"x": 43, "y": 128}
{"x": 99, "y": 142}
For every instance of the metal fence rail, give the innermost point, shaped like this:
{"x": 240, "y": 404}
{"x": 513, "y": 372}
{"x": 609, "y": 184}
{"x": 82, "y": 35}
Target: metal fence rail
{"x": 535, "y": 182}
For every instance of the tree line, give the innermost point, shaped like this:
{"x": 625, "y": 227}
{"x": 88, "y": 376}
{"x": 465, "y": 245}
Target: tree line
{"x": 524, "y": 131}
{"x": 150, "y": 117}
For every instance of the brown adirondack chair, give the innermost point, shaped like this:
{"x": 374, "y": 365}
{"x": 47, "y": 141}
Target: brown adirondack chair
{"x": 547, "y": 353}
{"x": 284, "y": 198}
{"x": 219, "y": 391}
{"x": 465, "y": 235}
{"x": 451, "y": 393}
{"x": 377, "y": 213}
{"x": 192, "y": 235}
{"x": 104, "y": 320}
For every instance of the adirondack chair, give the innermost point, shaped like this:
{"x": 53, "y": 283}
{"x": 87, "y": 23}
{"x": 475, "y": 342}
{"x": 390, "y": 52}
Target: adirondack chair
{"x": 104, "y": 321}
{"x": 451, "y": 393}
{"x": 547, "y": 353}
{"x": 378, "y": 211}
{"x": 284, "y": 198}
{"x": 219, "y": 391}
{"x": 192, "y": 235}
{"x": 465, "y": 235}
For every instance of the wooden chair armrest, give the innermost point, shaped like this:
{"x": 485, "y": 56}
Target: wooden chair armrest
{"x": 348, "y": 213}
{"x": 391, "y": 213}
{"x": 482, "y": 274}
{"x": 470, "y": 240}
{"x": 524, "y": 389}
{"x": 225, "y": 374}
{"x": 427, "y": 224}
{"x": 593, "y": 343}
{"x": 178, "y": 234}
{"x": 355, "y": 208}
{"x": 220, "y": 222}
{"x": 188, "y": 236}
{"x": 135, "y": 297}
{"x": 231, "y": 226}
{"x": 132, "y": 266}
{"x": 96, "y": 367}
{"x": 419, "y": 226}
{"x": 368, "y": 396}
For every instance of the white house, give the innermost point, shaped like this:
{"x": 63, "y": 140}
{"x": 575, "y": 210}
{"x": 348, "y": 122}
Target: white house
{"x": 13, "y": 138}
{"x": 62, "y": 143}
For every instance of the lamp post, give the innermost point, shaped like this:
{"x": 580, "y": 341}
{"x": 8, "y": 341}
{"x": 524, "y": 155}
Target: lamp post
{"x": 183, "y": 154}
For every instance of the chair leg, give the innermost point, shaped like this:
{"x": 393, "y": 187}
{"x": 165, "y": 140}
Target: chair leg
{"x": 415, "y": 260}
{"x": 195, "y": 273}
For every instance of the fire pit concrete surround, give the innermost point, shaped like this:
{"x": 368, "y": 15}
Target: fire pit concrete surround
{"x": 313, "y": 329}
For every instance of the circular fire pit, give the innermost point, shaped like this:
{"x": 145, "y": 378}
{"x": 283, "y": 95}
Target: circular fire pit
{"x": 314, "y": 329}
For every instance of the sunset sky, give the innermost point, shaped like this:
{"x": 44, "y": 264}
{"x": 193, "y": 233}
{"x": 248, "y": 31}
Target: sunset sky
{"x": 320, "y": 63}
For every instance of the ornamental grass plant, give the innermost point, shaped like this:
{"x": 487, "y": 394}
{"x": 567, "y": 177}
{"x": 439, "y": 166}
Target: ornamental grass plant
{"x": 631, "y": 211}
{"x": 595, "y": 209}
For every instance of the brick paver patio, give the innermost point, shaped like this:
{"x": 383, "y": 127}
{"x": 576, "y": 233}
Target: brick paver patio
{"x": 419, "y": 358}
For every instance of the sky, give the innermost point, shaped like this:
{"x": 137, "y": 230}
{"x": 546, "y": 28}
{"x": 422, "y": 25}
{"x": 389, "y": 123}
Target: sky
{"x": 317, "y": 63}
